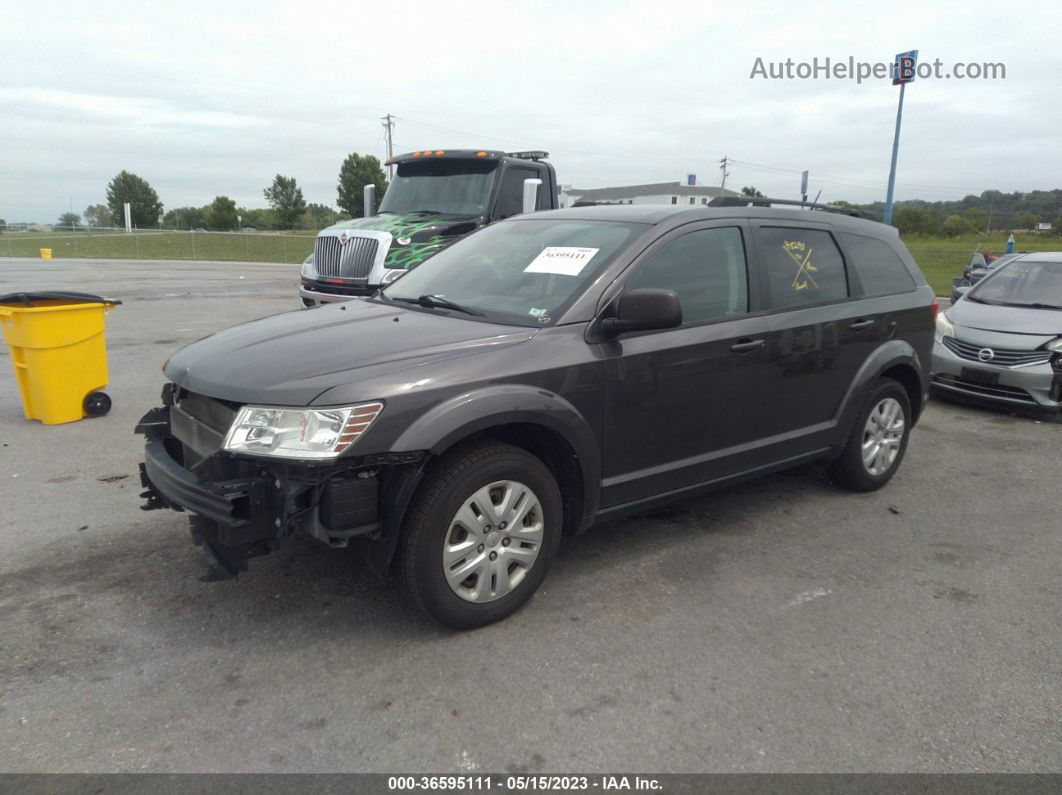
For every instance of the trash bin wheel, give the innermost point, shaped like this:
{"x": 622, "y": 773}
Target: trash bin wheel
{"x": 96, "y": 404}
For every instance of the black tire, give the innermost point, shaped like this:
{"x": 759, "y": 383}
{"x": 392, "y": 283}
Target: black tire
{"x": 447, "y": 485}
{"x": 849, "y": 470}
{"x": 96, "y": 404}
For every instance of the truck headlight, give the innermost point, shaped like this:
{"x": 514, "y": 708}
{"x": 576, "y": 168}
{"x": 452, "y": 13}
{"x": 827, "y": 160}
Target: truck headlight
{"x": 307, "y": 267}
{"x": 945, "y": 328}
{"x": 299, "y": 433}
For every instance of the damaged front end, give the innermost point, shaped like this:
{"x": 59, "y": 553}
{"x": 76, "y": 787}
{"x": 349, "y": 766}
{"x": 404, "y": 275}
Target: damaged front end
{"x": 246, "y": 506}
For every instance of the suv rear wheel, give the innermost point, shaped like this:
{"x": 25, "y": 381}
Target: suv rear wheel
{"x": 878, "y": 440}
{"x": 481, "y": 534}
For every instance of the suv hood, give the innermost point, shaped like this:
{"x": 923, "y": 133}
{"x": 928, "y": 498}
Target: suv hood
{"x": 293, "y": 358}
{"x": 1008, "y": 319}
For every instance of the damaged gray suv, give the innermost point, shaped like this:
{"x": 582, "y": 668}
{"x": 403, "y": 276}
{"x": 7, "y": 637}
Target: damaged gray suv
{"x": 541, "y": 374}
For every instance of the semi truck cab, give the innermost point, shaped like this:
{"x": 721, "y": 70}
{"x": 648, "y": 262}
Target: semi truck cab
{"x": 436, "y": 197}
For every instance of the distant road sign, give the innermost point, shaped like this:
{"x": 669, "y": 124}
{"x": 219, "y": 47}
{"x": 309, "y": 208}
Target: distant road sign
{"x": 903, "y": 69}
{"x": 691, "y": 179}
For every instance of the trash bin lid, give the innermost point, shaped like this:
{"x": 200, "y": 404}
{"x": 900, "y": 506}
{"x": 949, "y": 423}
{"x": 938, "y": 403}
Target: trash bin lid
{"x": 29, "y": 299}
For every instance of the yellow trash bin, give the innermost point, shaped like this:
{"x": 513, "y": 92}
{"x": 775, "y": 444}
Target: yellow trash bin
{"x": 46, "y": 253}
{"x": 58, "y": 353}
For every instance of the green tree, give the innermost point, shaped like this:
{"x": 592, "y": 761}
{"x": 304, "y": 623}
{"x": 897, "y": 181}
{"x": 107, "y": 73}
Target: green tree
{"x": 97, "y": 215}
{"x": 748, "y": 190}
{"x": 356, "y": 172}
{"x": 1024, "y": 220}
{"x": 285, "y": 197}
{"x": 912, "y": 220}
{"x": 3, "y": 226}
{"x": 955, "y": 225}
{"x": 69, "y": 219}
{"x": 144, "y": 205}
{"x": 221, "y": 214}
{"x": 185, "y": 218}
{"x": 257, "y": 218}
{"x": 318, "y": 216}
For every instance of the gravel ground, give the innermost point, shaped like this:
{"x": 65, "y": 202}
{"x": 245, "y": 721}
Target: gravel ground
{"x": 781, "y": 626}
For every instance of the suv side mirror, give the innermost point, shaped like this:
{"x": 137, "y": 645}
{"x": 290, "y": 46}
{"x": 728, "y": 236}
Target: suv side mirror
{"x": 644, "y": 309}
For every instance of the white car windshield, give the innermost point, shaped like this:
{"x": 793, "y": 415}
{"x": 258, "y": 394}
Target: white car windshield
{"x": 1031, "y": 283}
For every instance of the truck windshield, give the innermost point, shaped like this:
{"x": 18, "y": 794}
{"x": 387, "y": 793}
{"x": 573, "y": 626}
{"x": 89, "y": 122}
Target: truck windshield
{"x": 523, "y": 271}
{"x": 449, "y": 187}
{"x": 1022, "y": 282}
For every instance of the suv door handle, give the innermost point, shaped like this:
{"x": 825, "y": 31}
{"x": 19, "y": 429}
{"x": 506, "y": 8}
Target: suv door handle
{"x": 859, "y": 325}
{"x": 747, "y": 345}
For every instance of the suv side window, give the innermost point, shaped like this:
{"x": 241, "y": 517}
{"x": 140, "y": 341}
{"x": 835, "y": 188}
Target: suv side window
{"x": 880, "y": 269}
{"x": 707, "y": 270}
{"x": 511, "y": 201}
{"x": 801, "y": 266}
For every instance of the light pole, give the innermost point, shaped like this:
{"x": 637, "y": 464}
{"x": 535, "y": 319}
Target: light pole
{"x": 903, "y": 73}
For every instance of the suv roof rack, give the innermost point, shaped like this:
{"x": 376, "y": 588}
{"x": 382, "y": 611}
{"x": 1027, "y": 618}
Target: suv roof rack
{"x": 763, "y": 201}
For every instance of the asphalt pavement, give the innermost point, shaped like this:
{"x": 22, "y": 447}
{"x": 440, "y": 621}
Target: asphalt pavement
{"x": 784, "y": 625}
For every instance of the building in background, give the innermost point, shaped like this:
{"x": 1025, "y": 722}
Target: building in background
{"x": 654, "y": 193}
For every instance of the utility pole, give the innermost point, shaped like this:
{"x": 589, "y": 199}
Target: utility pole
{"x": 903, "y": 73}
{"x": 991, "y": 202}
{"x": 722, "y": 168}
{"x": 389, "y": 125}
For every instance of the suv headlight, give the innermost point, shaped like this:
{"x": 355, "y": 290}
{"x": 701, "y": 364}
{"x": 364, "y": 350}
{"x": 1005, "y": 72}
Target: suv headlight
{"x": 945, "y": 328}
{"x": 307, "y": 266}
{"x": 299, "y": 433}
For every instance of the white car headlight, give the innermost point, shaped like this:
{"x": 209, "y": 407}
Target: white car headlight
{"x": 1055, "y": 345}
{"x": 299, "y": 433}
{"x": 945, "y": 328}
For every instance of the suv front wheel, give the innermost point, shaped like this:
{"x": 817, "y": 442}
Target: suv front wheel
{"x": 480, "y": 534}
{"x": 878, "y": 440}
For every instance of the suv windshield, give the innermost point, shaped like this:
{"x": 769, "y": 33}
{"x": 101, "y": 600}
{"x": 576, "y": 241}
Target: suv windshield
{"x": 1022, "y": 283}
{"x": 519, "y": 271}
{"x": 450, "y": 187}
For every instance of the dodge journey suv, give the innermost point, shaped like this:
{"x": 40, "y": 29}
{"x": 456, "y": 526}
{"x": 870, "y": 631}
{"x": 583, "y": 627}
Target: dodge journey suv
{"x": 541, "y": 374}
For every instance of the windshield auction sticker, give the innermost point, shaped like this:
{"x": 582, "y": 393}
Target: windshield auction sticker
{"x": 562, "y": 260}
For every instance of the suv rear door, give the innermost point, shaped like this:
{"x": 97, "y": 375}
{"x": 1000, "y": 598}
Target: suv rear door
{"x": 819, "y": 336}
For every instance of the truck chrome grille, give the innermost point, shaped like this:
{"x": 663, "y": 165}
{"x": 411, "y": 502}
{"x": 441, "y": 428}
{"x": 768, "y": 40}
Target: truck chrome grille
{"x": 1001, "y": 357}
{"x": 351, "y": 260}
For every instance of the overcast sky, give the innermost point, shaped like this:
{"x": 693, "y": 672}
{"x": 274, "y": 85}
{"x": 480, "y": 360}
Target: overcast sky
{"x": 215, "y": 98}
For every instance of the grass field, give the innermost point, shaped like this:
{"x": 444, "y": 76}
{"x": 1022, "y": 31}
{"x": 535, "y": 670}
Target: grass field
{"x": 230, "y": 246}
{"x": 940, "y": 258}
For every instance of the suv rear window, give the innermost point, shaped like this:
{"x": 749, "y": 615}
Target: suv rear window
{"x": 801, "y": 266}
{"x": 880, "y": 269}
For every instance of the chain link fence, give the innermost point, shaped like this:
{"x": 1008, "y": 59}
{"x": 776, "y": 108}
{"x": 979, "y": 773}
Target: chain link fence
{"x": 102, "y": 243}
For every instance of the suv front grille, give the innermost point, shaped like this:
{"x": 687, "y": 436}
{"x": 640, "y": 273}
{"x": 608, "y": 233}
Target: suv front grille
{"x": 352, "y": 260}
{"x": 200, "y": 423}
{"x": 1001, "y": 357}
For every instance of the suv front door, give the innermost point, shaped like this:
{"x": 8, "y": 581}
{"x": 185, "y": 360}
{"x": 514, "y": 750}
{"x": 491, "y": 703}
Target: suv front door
{"x": 675, "y": 402}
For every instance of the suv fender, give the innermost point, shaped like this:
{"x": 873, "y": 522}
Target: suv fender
{"x": 467, "y": 414}
{"x": 894, "y": 353}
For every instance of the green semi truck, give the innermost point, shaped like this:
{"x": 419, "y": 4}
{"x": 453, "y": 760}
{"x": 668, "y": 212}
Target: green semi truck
{"x": 436, "y": 197}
